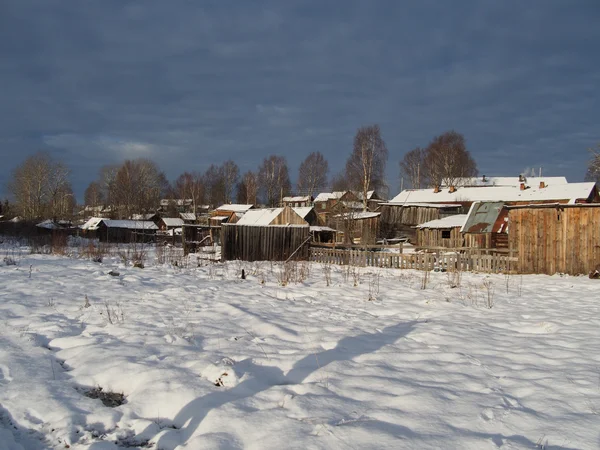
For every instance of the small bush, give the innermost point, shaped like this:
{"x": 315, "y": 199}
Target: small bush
{"x": 110, "y": 399}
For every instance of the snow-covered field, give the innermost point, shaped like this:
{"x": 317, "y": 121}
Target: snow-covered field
{"x": 207, "y": 360}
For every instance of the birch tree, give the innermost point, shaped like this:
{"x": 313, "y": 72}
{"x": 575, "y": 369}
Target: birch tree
{"x": 274, "y": 179}
{"x": 365, "y": 168}
{"x": 593, "y": 170}
{"x": 412, "y": 166}
{"x": 231, "y": 176}
{"x": 248, "y": 189}
{"x": 447, "y": 160}
{"x": 312, "y": 174}
{"x": 39, "y": 186}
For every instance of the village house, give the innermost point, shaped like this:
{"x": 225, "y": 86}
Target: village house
{"x": 328, "y": 204}
{"x": 228, "y": 213}
{"x": 125, "y": 231}
{"x": 298, "y": 201}
{"x": 413, "y": 206}
{"x": 170, "y": 223}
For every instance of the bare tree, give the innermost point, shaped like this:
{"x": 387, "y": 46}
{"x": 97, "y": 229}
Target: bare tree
{"x": 248, "y": 189}
{"x": 274, "y": 179}
{"x": 312, "y": 174}
{"x": 190, "y": 185}
{"x": 447, "y": 160}
{"x": 593, "y": 170}
{"x": 412, "y": 167}
{"x": 39, "y": 185}
{"x": 339, "y": 182}
{"x": 231, "y": 176}
{"x": 139, "y": 186}
{"x": 107, "y": 181}
{"x": 93, "y": 195}
{"x": 365, "y": 168}
{"x": 214, "y": 182}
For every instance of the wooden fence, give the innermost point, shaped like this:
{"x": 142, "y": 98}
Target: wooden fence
{"x": 472, "y": 262}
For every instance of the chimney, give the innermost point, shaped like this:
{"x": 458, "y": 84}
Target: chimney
{"x": 522, "y": 178}
{"x": 452, "y": 189}
{"x": 542, "y": 185}
{"x": 436, "y": 189}
{"x": 484, "y": 179}
{"x": 522, "y": 187}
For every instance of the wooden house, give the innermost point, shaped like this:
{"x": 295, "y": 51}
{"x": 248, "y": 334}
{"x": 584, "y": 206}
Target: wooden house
{"x": 400, "y": 219}
{"x": 188, "y": 218}
{"x": 486, "y": 226}
{"x": 373, "y": 199}
{"x": 126, "y": 230}
{"x": 298, "y": 201}
{"x": 555, "y": 238}
{"x": 521, "y": 194}
{"x": 170, "y": 223}
{"x": 328, "y": 204}
{"x": 442, "y": 232}
{"x": 273, "y": 234}
{"x": 228, "y": 213}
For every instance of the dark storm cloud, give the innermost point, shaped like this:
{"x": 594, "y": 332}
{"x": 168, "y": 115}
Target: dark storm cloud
{"x": 192, "y": 83}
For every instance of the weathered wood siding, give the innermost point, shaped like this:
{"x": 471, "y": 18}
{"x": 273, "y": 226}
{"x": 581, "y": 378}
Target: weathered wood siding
{"x": 288, "y": 216}
{"x": 400, "y": 220}
{"x": 432, "y": 237}
{"x": 555, "y": 240}
{"x": 264, "y": 243}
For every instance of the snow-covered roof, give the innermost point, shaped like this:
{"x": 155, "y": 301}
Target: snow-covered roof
{"x": 457, "y": 220}
{"x": 324, "y": 196}
{"x": 318, "y": 228}
{"x": 92, "y": 224}
{"x": 369, "y": 195}
{"x": 187, "y": 216}
{"x": 176, "y": 201}
{"x": 172, "y": 221}
{"x": 302, "y": 211}
{"x": 507, "y": 181}
{"x": 48, "y": 224}
{"x": 219, "y": 218}
{"x": 130, "y": 224}
{"x": 305, "y": 198}
{"x": 260, "y": 217}
{"x": 16, "y": 219}
{"x": 174, "y": 232}
{"x": 234, "y": 207}
{"x": 147, "y": 216}
{"x": 569, "y": 191}
{"x": 359, "y": 215}
{"x": 424, "y": 205}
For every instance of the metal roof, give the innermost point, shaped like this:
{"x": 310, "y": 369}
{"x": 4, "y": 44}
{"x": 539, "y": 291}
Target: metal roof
{"x": 482, "y": 217}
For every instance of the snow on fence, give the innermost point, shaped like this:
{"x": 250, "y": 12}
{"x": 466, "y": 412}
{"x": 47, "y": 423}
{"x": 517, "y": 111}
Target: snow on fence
{"x": 474, "y": 262}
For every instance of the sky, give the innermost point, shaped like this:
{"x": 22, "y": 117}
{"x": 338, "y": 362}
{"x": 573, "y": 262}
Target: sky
{"x": 191, "y": 83}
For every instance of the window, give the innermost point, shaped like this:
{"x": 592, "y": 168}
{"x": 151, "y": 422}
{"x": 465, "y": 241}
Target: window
{"x": 323, "y": 205}
{"x": 445, "y": 234}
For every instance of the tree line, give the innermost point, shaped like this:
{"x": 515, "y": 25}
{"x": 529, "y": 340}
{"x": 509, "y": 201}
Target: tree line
{"x": 41, "y": 186}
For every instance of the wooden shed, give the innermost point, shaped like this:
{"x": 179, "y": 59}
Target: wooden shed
{"x": 486, "y": 226}
{"x": 273, "y": 234}
{"x": 442, "y": 232}
{"x": 555, "y": 238}
{"x": 357, "y": 226}
{"x": 400, "y": 219}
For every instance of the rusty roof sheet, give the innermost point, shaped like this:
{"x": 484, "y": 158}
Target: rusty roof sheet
{"x": 482, "y": 217}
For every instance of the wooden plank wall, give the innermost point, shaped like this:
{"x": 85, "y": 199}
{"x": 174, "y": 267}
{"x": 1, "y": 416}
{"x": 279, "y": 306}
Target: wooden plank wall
{"x": 267, "y": 243}
{"x": 556, "y": 240}
{"x": 289, "y": 216}
{"x": 432, "y": 237}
